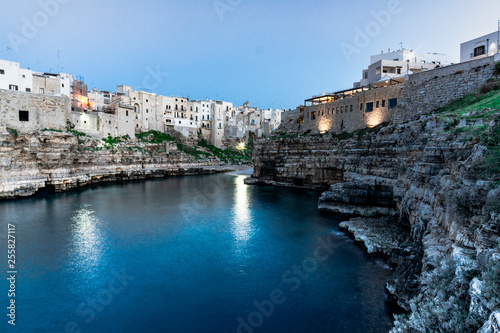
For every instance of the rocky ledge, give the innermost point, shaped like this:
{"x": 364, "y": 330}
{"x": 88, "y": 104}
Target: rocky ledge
{"x": 427, "y": 193}
{"x": 64, "y": 161}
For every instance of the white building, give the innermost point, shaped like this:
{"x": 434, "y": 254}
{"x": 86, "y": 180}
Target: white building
{"x": 13, "y": 77}
{"x": 395, "y": 65}
{"x": 480, "y": 47}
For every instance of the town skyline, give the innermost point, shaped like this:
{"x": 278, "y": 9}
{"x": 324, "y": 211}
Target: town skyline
{"x": 273, "y": 55}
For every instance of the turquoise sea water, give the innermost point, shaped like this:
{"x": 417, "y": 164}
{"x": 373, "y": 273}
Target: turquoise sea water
{"x": 187, "y": 254}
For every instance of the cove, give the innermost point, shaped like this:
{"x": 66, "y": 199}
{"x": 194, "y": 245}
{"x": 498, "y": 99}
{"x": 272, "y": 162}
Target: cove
{"x": 188, "y": 254}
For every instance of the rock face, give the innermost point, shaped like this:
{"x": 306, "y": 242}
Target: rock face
{"x": 62, "y": 161}
{"x": 429, "y": 203}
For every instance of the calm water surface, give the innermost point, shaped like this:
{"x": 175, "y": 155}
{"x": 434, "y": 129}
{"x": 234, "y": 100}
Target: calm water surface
{"x": 190, "y": 254}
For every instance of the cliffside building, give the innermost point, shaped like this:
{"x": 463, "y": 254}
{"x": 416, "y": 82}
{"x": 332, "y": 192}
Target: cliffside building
{"x": 396, "y": 64}
{"x": 480, "y": 47}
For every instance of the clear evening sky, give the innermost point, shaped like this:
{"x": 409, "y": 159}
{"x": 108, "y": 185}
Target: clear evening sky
{"x": 275, "y": 53}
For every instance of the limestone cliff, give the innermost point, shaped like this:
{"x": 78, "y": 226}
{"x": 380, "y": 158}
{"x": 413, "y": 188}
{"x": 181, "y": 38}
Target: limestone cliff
{"x": 427, "y": 191}
{"x": 66, "y": 160}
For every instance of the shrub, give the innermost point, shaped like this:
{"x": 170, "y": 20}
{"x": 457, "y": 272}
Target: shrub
{"x": 490, "y": 85}
{"x": 154, "y": 137}
{"x": 497, "y": 68}
{"x": 13, "y": 131}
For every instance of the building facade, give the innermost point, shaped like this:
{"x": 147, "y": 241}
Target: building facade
{"x": 480, "y": 47}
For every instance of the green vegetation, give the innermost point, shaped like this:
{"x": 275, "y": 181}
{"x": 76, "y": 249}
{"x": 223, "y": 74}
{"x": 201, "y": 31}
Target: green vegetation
{"x": 110, "y": 141}
{"x": 487, "y": 99}
{"x": 154, "y": 137}
{"x": 76, "y": 133}
{"x": 52, "y": 130}
{"x": 13, "y": 131}
{"x": 443, "y": 303}
{"x": 497, "y": 68}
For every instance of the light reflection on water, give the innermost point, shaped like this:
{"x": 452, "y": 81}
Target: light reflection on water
{"x": 195, "y": 273}
{"x": 87, "y": 239}
{"x": 242, "y": 219}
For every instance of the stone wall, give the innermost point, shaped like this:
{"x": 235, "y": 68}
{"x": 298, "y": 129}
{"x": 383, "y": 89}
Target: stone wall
{"x": 349, "y": 114}
{"x": 430, "y": 90}
{"x": 422, "y": 92}
{"x": 42, "y": 111}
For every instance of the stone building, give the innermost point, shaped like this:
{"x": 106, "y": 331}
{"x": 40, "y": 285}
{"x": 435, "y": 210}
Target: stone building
{"x": 52, "y": 84}
{"x": 27, "y": 112}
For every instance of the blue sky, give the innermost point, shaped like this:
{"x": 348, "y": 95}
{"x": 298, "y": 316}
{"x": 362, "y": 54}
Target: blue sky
{"x": 273, "y": 53}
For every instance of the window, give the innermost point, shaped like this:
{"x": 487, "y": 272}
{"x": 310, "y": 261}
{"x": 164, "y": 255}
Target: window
{"x": 28, "y": 89}
{"x": 393, "y": 103}
{"x": 383, "y": 103}
{"x": 313, "y": 116}
{"x": 147, "y": 110}
{"x": 208, "y": 117}
{"x": 398, "y": 70}
{"x": 24, "y": 115}
{"x": 2, "y": 71}
{"x": 126, "y": 113}
{"x": 378, "y": 104}
{"x": 480, "y": 50}
{"x": 352, "y": 107}
{"x": 13, "y": 87}
{"x": 63, "y": 85}
{"x": 24, "y": 76}
{"x": 369, "y": 107}
{"x": 220, "y": 125}
{"x": 147, "y": 100}
{"x": 361, "y": 107}
{"x": 202, "y": 117}
{"x": 196, "y": 118}
{"x": 42, "y": 91}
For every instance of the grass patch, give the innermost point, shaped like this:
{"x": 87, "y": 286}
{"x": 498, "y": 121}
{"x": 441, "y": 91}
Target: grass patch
{"x": 110, "y": 141}
{"x": 76, "y": 133}
{"x": 487, "y": 98}
{"x": 154, "y": 137}
{"x": 52, "y": 130}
